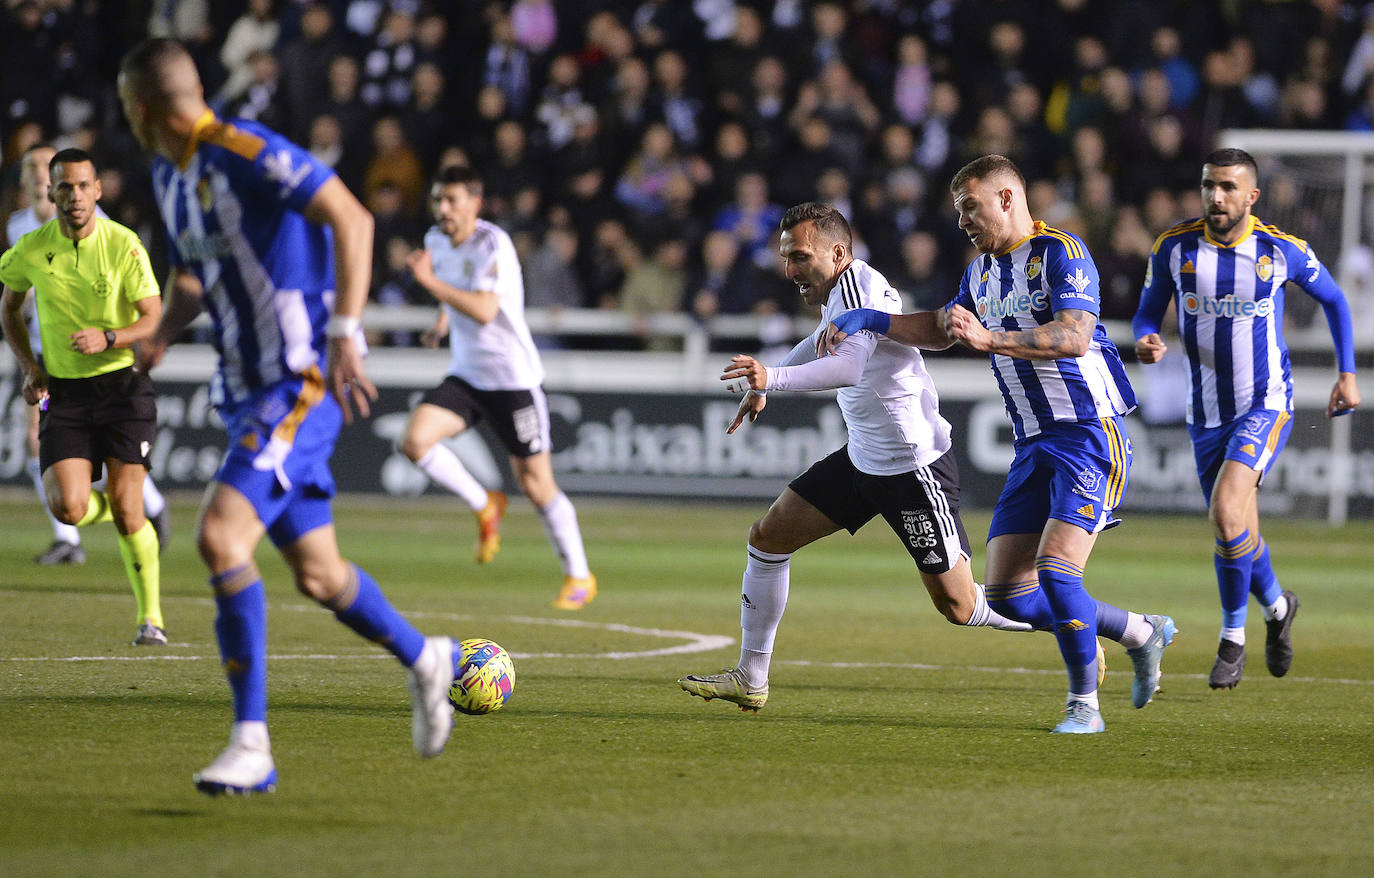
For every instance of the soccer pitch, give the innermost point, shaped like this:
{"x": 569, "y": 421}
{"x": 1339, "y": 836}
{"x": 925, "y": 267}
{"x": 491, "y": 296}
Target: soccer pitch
{"x": 892, "y": 744}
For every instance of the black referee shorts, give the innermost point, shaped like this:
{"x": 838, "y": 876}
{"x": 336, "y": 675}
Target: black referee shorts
{"x": 109, "y": 416}
{"x": 921, "y": 506}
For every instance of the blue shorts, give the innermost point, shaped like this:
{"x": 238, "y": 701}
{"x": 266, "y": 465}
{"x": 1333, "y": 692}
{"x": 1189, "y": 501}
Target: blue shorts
{"x": 1254, "y": 439}
{"x": 1072, "y": 472}
{"x": 280, "y": 440}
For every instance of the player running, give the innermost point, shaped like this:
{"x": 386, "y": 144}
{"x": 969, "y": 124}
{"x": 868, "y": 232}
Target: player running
{"x": 1030, "y": 301}
{"x": 897, "y": 463}
{"x": 261, "y": 235}
{"x": 1225, "y": 273}
{"x": 470, "y": 266}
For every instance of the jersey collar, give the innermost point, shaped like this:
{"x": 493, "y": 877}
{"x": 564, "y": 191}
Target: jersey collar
{"x": 193, "y": 140}
{"x": 1037, "y": 229}
{"x": 1250, "y": 223}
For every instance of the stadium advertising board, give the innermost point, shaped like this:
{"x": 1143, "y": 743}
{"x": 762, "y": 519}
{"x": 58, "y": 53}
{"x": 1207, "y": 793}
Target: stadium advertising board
{"x": 675, "y": 445}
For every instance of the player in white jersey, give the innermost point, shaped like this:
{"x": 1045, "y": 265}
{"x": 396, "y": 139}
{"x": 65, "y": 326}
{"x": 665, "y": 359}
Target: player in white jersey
{"x": 1225, "y": 273}
{"x": 66, "y": 543}
{"x": 1030, "y": 301}
{"x": 897, "y": 463}
{"x": 470, "y": 266}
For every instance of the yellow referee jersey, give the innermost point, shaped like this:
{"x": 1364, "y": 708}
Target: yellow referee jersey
{"x": 81, "y": 284}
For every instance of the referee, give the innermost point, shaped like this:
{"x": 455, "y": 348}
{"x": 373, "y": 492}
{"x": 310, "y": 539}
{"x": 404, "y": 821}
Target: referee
{"x": 96, "y": 296}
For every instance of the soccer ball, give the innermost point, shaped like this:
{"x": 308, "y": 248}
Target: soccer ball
{"x": 485, "y": 679}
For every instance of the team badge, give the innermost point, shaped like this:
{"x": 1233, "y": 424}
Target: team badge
{"x": 101, "y": 287}
{"x": 204, "y": 195}
{"x": 1033, "y": 268}
{"x": 1264, "y": 268}
{"x": 1088, "y": 480}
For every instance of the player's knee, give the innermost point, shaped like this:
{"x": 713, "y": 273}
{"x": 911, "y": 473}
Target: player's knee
{"x": 68, "y": 510}
{"x": 320, "y": 581}
{"x": 1226, "y": 523}
{"x": 413, "y": 447}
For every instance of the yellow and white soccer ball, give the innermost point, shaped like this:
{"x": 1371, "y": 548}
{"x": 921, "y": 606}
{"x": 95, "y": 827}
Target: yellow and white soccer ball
{"x": 485, "y": 678}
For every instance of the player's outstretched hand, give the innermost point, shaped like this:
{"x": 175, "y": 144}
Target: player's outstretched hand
{"x": 421, "y": 266}
{"x": 749, "y": 407}
{"x": 745, "y": 373}
{"x": 346, "y": 378}
{"x": 1345, "y": 396}
{"x": 1150, "y": 348}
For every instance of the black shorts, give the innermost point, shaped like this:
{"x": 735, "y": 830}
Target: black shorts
{"x": 109, "y": 416}
{"x": 921, "y": 506}
{"x": 519, "y": 417}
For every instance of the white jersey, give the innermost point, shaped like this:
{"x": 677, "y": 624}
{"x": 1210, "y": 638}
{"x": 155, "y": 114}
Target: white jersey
{"x": 499, "y": 355}
{"x": 893, "y": 410}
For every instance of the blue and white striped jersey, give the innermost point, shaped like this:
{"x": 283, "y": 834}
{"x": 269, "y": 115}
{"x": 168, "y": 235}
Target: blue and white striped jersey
{"x": 1020, "y": 289}
{"x": 233, "y": 211}
{"x": 1229, "y": 300}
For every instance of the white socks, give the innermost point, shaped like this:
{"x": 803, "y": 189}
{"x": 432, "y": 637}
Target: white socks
{"x": 444, "y": 467}
{"x": 560, "y": 523}
{"x": 762, "y": 602}
{"x": 153, "y": 501}
{"x": 1138, "y": 631}
{"x": 1235, "y": 635}
{"x": 1277, "y": 610}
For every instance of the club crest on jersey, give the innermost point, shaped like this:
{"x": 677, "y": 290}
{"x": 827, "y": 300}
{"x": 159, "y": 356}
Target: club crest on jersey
{"x": 204, "y": 195}
{"x": 1253, "y": 428}
{"x": 101, "y": 287}
{"x": 1264, "y": 268}
{"x": 1033, "y": 266}
{"x": 1089, "y": 481}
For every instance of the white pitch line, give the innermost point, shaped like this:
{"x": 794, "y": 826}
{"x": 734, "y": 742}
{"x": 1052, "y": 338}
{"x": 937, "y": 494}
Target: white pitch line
{"x": 697, "y": 643}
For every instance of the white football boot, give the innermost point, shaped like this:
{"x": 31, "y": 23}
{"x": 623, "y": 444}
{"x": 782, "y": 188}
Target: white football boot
{"x": 429, "y": 680}
{"x": 245, "y": 766}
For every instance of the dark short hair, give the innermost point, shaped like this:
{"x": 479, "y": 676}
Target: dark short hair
{"x": 1230, "y": 157}
{"x": 72, "y": 155}
{"x": 460, "y": 175}
{"x": 984, "y": 167}
{"x": 828, "y": 221}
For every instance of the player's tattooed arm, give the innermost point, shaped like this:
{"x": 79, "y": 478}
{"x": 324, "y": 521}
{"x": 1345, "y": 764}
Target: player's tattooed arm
{"x": 1068, "y": 335}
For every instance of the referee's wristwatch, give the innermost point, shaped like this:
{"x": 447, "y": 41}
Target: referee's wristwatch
{"x": 109, "y": 339}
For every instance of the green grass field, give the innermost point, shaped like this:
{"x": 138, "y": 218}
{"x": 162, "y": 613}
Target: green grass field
{"x": 893, "y": 742}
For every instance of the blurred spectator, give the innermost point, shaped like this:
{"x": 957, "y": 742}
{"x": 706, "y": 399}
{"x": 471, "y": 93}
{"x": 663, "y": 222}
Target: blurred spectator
{"x": 1168, "y": 161}
{"x": 387, "y": 204}
{"x": 396, "y": 287}
{"x": 29, "y": 44}
{"x": 261, "y": 100}
{"x": 794, "y": 177}
{"x": 327, "y": 145}
{"x": 428, "y": 120}
{"x": 354, "y": 117}
{"x": 394, "y": 163}
{"x": 558, "y": 100}
{"x": 511, "y": 169}
{"x": 1121, "y": 265}
{"x": 305, "y": 63}
{"x": 254, "y": 31}
{"x": 921, "y": 278}
{"x": 766, "y": 107}
{"x": 389, "y": 62}
{"x": 534, "y": 24}
{"x": 603, "y": 264}
{"x": 653, "y": 286}
{"x": 1359, "y": 68}
{"x": 1260, "y": 88}
{"x": 550, "y": 276}
{"x": 912, "y": 80}
{"x": 1167, "y": 48}
{"x": 724, "y": 282}
{"x": 507, "y": 65}
{"x": 682, "y": 110}
{"x": 751, "y": 217}
{"x": 640, "y": 187}
{"x": 1037, "y": 147}
{"x": 732, "y": 62}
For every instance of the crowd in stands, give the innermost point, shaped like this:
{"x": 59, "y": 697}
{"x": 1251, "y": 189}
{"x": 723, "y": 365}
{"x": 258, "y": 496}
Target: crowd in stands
{"x": 641, "y": 152}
